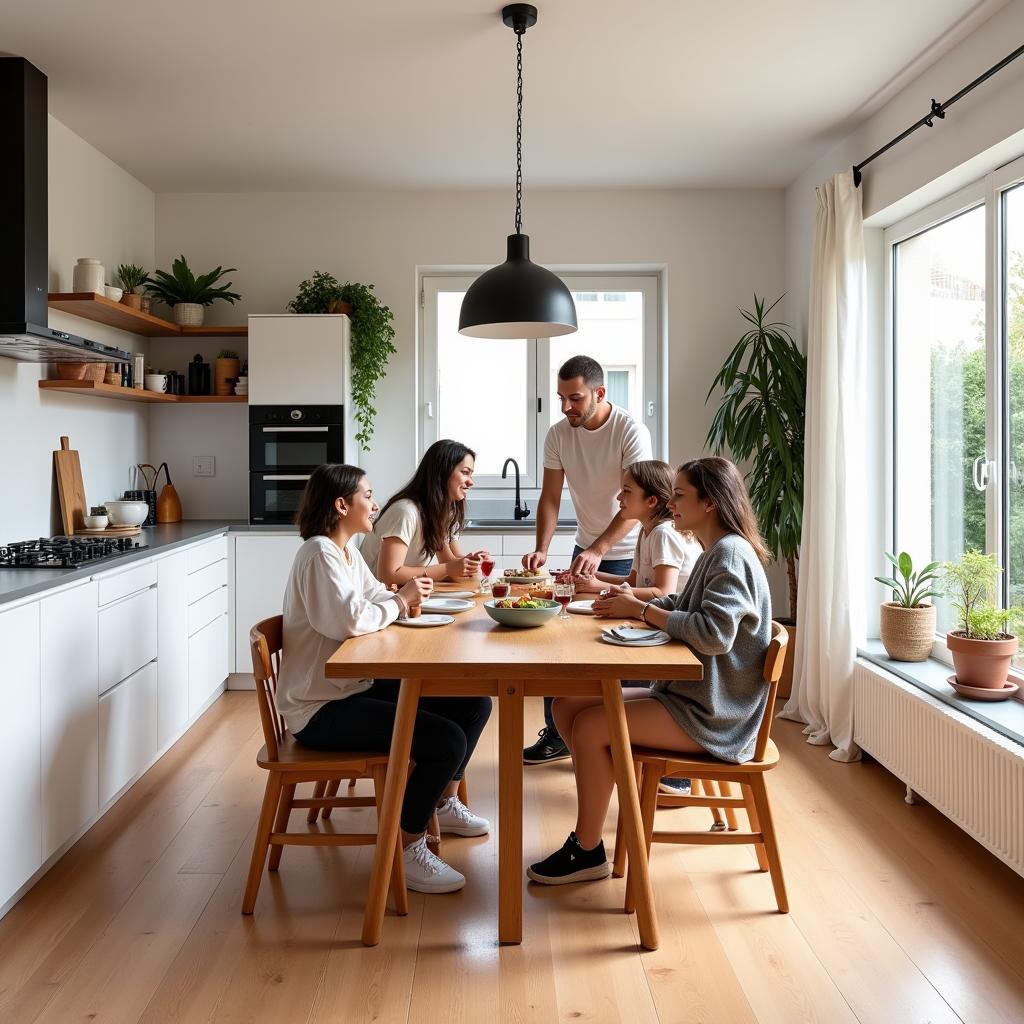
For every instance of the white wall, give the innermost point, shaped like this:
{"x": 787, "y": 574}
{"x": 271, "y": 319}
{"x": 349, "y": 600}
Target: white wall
{"x": 718, "y": 247}
{"x": 96, "y": 209}
{"x": 981, "y": 132}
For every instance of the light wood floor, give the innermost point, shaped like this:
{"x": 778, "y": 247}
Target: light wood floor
{"x": 896, "y": 915}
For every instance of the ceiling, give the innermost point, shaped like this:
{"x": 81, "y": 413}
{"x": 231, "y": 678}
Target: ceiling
{"x": 249, "y": 95}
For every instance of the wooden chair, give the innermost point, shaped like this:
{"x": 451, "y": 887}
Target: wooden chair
{"x": 288, "y": 764}
{"x": 705, "y": 771}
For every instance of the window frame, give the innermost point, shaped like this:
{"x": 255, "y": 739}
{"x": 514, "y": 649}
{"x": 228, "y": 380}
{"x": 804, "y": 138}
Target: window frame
{"x": 652, "y": 386}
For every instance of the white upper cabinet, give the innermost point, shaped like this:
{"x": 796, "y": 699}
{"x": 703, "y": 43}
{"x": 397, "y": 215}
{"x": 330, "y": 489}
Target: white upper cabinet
{"x": 298, "y": 360}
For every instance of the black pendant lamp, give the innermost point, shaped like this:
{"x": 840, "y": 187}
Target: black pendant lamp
{"x": 518, "y": 299}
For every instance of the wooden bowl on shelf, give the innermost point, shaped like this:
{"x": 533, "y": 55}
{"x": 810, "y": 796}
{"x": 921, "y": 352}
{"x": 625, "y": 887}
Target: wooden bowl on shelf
{"x": 81, "y": 371}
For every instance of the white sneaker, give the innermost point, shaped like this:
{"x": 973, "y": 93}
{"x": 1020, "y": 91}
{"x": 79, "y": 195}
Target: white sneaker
{"x": 426, "y": 872}
{"x": 456, "y": 818}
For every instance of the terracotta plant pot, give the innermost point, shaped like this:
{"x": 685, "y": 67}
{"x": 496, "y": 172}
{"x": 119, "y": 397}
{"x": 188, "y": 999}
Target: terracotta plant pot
{"x": 340, "y": 307}
{"x": 908, "y": 633}
{"x": 981, "y": 663}
{"x": 132, "y": 299}
{"x": 187, "y": 314}
{"x": 81, "y": 371}
{"x": 223, "y": 369}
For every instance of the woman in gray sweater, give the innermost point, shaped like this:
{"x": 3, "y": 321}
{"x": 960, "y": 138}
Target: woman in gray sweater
{"x": 724, "y": 614}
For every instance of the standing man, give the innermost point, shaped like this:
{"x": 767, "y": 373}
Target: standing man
{"x": 588, "y": 450}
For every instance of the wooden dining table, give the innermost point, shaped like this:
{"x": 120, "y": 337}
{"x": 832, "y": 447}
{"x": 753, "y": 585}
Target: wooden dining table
{"x": 476, "y": 656}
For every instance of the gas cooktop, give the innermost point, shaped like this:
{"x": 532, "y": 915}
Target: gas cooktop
{"x": 63, "y": 552}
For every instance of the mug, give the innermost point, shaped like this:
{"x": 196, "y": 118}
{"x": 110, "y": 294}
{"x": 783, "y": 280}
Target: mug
{"x": 156, "y": 382}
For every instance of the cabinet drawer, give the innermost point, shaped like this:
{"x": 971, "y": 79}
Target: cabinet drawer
{"x": 206, "y": 580}
{"x": 127, "y": 634}
{"x": 127, "y": 731}
{"x": 206, "y": 609}
{"x": 117, "y": 585}
{"x": 562, "y": 545}
{"x": 209, "y": 551}
{"x": 207, "y": 663}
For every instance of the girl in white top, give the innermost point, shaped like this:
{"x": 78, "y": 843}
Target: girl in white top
{"x": 664, "y": 558}
{"x": 415, "y": 534}
{"x": 330, "y": 597}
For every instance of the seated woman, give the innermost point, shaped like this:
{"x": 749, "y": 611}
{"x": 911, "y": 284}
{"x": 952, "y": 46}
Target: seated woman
{"x": 332, "y": 596}
{"x": 664, "y": 557}
{"x": 415, "y": 534}
{"x": 724, "y": 614}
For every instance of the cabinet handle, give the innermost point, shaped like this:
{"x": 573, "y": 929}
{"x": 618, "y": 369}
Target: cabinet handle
{"x": 277, "y": 477}
{"x": 296, "y": 430}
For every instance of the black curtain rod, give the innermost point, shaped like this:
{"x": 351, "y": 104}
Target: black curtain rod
{"x": 938, "y": 110}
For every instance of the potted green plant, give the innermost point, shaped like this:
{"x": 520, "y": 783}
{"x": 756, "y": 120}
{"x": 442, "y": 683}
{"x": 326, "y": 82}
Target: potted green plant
{"x": 984, "y": 643}
{"x": 372, "y": 337}
{"x": 907, "y": 623}
{"x": 187, "y": 294}
{"x": 225, "y": 372}
{"x": 132, "y": 279}
{"x": 760, "y": 419}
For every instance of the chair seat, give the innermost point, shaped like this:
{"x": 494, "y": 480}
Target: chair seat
{"x": 293, "y": 756}
{"x": 680, "y": 763}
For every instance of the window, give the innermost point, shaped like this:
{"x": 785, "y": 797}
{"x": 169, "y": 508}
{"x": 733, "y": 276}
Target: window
{"x": 499, "y": 397}
{"x": 956, "y": 275}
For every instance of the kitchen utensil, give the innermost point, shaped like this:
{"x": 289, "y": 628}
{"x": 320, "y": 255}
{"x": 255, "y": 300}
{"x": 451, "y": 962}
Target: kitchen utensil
{"x": 168, "y": 504}
{"x": 609, "y": 639}
{"x": 113, "y": 293}
{"x": 80, "y": 371}
{"x": 198, "y": 376}
{"x": 127, "y": 513}
{"x": 156, "y": 382}
{"x": 88, "y": 276}
{"x": 70, "y": 487}
{"x": 113, "y": 375}
{"x": 95, "y": 522}
{"x": 426, "y": 621}
{"x": 446, "y": 604}
{"x": 112, "y": 531}
{"x": 581, "y": 607}
{"x": 149, "y": 494}
{"x": 522, "y": 618}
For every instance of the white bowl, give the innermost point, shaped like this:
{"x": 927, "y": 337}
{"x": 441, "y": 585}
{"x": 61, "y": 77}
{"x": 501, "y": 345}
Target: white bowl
{"x": 113, "y": 292}
{"x": 95, "y": 522}
{"x": 127, "y": 513}
{"x": 155, "y": 381}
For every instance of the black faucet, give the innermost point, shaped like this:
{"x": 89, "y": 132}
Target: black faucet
{"x": 521, "y": 511}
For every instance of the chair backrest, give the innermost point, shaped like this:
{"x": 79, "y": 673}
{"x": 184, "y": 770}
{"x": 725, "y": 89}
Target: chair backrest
{"x": 773, "y": 664}
{"x": 266, "y": 641}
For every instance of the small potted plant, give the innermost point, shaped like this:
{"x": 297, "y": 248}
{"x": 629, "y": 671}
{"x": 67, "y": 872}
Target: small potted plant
{"x": 372, "y": 336}
{"x": 225, "y": 372}
{"x": 907, "y": 623}
{"x": 983, "y": 644}
{"x": 187, "y": 294}
{"x": 132, "y": 279}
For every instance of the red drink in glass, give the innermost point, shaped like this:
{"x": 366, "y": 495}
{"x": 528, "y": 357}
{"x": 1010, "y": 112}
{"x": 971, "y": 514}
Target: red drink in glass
{"x": 500, "y": 589}
{"x": 563, "y": 599}
{"x": 487, "y": 566}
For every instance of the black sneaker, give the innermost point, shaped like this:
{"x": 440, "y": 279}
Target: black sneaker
{"x": 571, "y": 864}
{"x": 549, "y": 747}
{"x": 674, "y": 787}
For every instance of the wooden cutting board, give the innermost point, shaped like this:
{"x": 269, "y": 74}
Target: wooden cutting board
{"x": 110, "y": 531}
{"x": 70, "y": 488}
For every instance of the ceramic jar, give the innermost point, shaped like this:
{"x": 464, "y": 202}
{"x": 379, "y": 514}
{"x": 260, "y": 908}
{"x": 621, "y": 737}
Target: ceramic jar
{"x": 88, "y": 276}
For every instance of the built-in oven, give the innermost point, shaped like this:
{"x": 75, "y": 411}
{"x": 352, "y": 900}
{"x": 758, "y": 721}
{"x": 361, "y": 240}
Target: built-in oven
{"x": 286, "y": 443}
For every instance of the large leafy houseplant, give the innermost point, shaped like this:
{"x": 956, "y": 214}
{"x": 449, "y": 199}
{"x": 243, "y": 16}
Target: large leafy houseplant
{"x": 372, "y": 337}
{"x": 760, "y": 419}
{"x": 182, "y": 286}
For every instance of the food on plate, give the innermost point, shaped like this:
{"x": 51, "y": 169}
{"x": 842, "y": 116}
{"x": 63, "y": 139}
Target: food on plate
{"x": 518, "y": 602}
{"x": 540, "y": 592}
{"x": 525, "y": 574}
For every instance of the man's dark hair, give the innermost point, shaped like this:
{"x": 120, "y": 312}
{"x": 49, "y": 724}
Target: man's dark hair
{"x": 585, "y": 367}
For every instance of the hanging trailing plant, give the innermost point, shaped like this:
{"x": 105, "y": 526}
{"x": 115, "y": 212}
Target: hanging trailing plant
{"x": 372, "y": 336}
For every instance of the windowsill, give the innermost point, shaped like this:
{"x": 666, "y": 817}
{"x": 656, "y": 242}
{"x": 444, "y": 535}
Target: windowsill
{"x": 1005, "y": 717}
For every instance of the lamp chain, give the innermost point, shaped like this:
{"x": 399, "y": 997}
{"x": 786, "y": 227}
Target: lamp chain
{"x": 519, "y": 133}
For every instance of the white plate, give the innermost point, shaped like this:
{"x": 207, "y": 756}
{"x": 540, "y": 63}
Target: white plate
{"x": 525, "y": 581}
{"x": 634, "y": 634}
{"x": 634, "y": 643}
{"x": 446, "y": 604}
{"x": 455, "y": 595}
{"x": 426, "y": 620}
{"x": 580, "y": 607}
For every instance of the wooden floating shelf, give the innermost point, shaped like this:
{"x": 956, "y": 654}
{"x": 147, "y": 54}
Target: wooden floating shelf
{"x": 96, "y": 307}
{"x": 91, "y": 387}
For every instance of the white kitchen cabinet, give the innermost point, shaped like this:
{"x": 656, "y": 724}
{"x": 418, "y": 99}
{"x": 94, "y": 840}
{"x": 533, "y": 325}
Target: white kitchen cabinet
{"x": 207, "y": 663}
{"x": 172, "y": 646}
{"x": 127, "y": 633}
{"x": 21, "y": 850}
{"x": 68, "y": 687}
{"x": 508, "y": 549}
{"x": 298, "y": 360}
{"x": 127, "y": 731}
{"x": 262, "y": 565}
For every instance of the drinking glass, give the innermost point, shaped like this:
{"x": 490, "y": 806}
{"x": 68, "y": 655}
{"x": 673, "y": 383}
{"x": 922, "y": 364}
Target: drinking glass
{"x": 563, "y": 593}
{"x": 486, "y": 568}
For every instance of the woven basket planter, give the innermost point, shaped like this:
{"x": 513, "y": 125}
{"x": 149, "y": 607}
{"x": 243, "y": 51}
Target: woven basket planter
{"x": 908, "y": 633}
{"x": 188, "y": 314}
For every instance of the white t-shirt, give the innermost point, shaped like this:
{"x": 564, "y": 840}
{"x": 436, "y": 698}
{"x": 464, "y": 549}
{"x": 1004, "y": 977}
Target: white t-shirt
{"x": 664, "y": 545}
{"x": 593, "y": 461}
{"x": 330, "y": 596}
{"x": 401, "y": 520}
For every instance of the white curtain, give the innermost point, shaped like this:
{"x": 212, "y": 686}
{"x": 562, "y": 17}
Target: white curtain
{"x": 829, "y": 602}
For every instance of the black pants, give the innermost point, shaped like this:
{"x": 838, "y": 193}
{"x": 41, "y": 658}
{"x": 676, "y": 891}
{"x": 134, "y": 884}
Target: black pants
{"x": 443, "y": 739}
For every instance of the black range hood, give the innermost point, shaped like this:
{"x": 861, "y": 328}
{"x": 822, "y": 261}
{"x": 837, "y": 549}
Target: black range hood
{"x": 24, "y": 333}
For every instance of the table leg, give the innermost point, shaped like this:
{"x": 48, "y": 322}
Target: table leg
{"x": 629, "y": 809}
{"x": 390, "y": 810}
{"x": 510, "y": 812}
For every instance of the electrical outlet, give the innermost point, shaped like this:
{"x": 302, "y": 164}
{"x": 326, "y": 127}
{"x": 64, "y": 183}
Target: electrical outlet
{"x": 204, "y": 465}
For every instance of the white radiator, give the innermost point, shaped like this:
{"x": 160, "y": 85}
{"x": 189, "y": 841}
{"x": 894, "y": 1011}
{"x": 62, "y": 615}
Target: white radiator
{"x": 968, "y": 771}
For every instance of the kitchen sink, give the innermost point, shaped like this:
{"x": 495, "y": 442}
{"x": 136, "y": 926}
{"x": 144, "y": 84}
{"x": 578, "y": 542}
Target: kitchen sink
{"x": 509, "y": 522}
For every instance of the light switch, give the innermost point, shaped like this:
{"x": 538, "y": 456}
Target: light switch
{"x": 204, "y": 465}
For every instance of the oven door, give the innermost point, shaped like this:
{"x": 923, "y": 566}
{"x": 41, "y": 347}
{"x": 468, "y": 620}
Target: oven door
{"x": 280, "y": 449}
{"x": 275, "y": 497}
